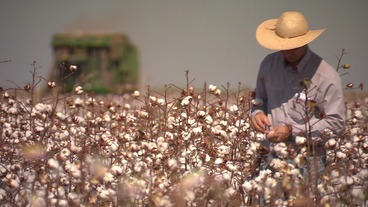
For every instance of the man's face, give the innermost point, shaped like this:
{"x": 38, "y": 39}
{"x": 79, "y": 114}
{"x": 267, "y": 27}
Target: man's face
{"x": 294, "y": 55}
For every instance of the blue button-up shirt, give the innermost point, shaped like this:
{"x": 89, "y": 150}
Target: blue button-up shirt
{"x": 278, "y": 85}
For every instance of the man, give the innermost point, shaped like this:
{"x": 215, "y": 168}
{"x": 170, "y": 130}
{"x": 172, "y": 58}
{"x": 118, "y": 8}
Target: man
{"x": 301, "y": 94}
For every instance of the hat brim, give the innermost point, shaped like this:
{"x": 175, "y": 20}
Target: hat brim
{"x": 267, "y": 37}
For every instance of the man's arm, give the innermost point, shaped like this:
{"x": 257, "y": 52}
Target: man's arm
{"x": 332, "y": 110}
{"x": 259, "y": 110}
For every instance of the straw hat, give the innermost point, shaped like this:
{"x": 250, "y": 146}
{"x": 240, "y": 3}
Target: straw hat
{"x": 287, "y": 32}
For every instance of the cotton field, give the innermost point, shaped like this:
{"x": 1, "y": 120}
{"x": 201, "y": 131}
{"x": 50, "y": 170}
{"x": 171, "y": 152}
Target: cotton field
{"x": 189, "y": 147}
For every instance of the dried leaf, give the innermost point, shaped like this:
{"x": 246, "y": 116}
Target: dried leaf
{"x": 305, "y": 83}
{"x": 322, "y": 114}
{"x": 312, "y": 105}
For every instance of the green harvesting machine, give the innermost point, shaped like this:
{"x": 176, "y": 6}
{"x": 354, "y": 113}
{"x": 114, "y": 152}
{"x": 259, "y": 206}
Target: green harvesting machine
{"x": 106, "y": 62}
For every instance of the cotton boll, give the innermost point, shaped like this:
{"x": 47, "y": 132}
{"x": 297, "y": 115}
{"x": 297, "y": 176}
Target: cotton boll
{"x": 37, "y": 201}
{"x": 207, "y": 158}
{"x": 165, "y": 201}
{"x": 299, "y": 160}
{"x": 53, "y": 163}
{"x": 64, "y": 135}
{"x": 189, "y": 196}
{"x": 60, "y": 192}
{"x": 74, "y": 198}
{"x": 217, "y": 130}
{"x": 226, "y": 175}
{"x": 357, "y": 139}
{"x": 252, "y": 148}
{"x": 172, "y": 164}
{"x": 346, "y": 180}
{"x": 29, "y": 176}
{"x": 270, "y": 182}
{"x": 182, "y": 160}
{"x": 108, "y": 177}
{"x": 281, "y": 150}
{"x": 223, "y": 123}
{"x": 358, "y": 114}
{"x": 197, "y": 131}
{"x": 162, "y": 146}
{"x": 63, "y": 202}
{"x": 143, "y": 114}
{"x": 161, "y": 102}
{"x": 223, "y": 150}
{"x": 104, "y": 194}
{"x": 340, "y": 155}
{"x": 349, "y": 145}
{"x": 257, "y": 102}
{"x": 75, "y": 149}
{"x": 277, "y": 164}
{"x": 277, "y": 175}
{"x": 257, "y": 136}
{"x": 169, "y": 135}
{"x": 114, "y": 146}
{"x": 152, "y": 99}
{"x": 73, "y": 169}
{"x": 325, "y": 200}
{"x": 209, "y": 119}
{"x": 212, "y": 88}
{"x": 358, "y": 193}
{"x": 349, "y": 114}
{"x": 13, "y": 110}
{"x": 259, "y": 188}
{"x": 14, "y": 182}
{"x": 219, "y": 161}
{"x": 335, "y": 174}
{"x": 186, "y": 101}
{"x": 327, "y": 132}
{"x": 201, "y": 114}
{"x": 136, "y": 94}
{"x": 116, "y": 170}
{"x": 78, "y": 102}
{"x": 230, "y": 166}
{"x": 64, "y": 153}
{"x": 330, "y": 144}
{"x": 299, "y": 140}
{"x": 112, "y": 192}
{"x": 186, "y": 135}
{"x": 295, "y": 172}
{"x": 229, "y": 192}
{"x": 39, "y": 129}
{"x": 217, "y": 92}
{"x": 107, "y": 118}
{"x": 248, "y": 185}
{"x": 193, "y": 180}
{"x": 126, "y": 137}
{"x": 363, "y": 174}
{"x": 78, "y": 90}
{"x": 354, "y": 121}
{"x": 234, "y": 108}
{"x": 354, "y": 131}
{"x": 40, "y": 107}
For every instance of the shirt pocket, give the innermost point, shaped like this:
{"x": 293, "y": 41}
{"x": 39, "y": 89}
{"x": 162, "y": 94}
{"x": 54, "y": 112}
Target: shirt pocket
{"x": 296, "y": 110}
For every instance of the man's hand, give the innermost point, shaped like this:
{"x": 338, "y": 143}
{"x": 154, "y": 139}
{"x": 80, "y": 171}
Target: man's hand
{"x": 260, "y": 120}
{"x": 278, "y": 134}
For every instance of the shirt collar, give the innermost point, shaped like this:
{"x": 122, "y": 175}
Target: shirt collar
{"x": 302, "y": 63}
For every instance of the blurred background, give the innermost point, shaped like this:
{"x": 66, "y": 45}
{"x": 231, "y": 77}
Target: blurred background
{"x": 213, "y": 39}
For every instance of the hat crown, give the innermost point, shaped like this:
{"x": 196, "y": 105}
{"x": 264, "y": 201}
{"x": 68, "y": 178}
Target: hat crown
{"x": 291, "y": 24}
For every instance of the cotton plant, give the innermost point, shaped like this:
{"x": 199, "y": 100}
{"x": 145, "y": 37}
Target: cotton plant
{"x": 189, "y": 148}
